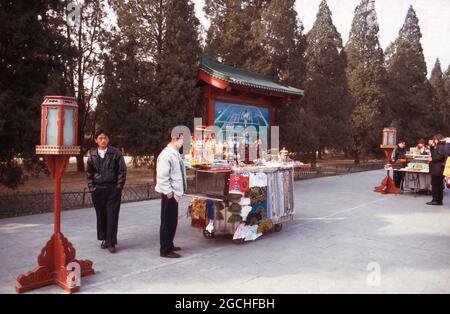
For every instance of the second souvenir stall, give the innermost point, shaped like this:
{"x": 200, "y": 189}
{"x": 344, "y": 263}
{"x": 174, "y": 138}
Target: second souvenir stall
{"x": 236, "y": 192}
{"x": 417, "y": 173}
{"x": 414, "y": 166}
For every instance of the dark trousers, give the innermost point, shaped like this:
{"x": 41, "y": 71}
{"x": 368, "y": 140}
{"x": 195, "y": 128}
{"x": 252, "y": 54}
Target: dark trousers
{"x": 437, "y": 188}
{"x": 107, "y": 206}
{"x": 169, "y": 222}
{"x": 398, "y": 178}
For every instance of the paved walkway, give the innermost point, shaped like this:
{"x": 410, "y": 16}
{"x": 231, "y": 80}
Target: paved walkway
{"x": 345, "y": 238}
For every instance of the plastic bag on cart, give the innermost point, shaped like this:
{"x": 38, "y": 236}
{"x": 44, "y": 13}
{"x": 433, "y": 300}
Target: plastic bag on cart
{"x": 210, "y": 227}
{"x": 240, "y": 232}
{"x": 252, "y": 233}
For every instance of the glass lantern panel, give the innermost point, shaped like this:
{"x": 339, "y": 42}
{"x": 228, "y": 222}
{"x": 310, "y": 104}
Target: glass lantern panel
{"x": 391, "y": 139}
{"x": 385, "y": 138}
{"x": 68, "y": 127}
{"x": 52, "y": 127}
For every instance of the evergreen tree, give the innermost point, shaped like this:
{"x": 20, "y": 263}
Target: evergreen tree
{"x": 150, "y": 84}
{"x": 29, "y": 49}
{"x": 410, "y": 91}
{"x": 278, "y": 34}
{"x": 327, "y": 94}
{"x": 230, "y": 38}
{"x": 126, "y": 92}
{"x": 439, "y": 111}
{"x": 178, "y": 101}
{"x": 447, "y": 97}
{"x": 367, "y": 80}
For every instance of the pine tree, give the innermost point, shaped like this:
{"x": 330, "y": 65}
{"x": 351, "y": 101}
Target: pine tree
{"x": 327, "y": 94}
{"x": 29, "y": 50}
{"x": 367, "y": 80}
{"x": 447, "y": 97}
{"x": 278, "y": 34}
{"x": 177, "y": 93}
{"x": 150, "y": 84}
{"x": 439, "y": 111}
{"x": 410, "y": 91}
{"x": 126, "y": 93}
{"x": 230, "y": 38}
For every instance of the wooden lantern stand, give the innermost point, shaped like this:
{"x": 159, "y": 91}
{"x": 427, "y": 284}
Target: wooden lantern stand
{"x": 387, "y": 185}
{"x": 56, "y": 262}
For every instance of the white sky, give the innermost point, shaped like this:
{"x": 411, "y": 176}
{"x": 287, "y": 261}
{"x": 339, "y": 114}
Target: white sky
{"x": 434, "y": 21}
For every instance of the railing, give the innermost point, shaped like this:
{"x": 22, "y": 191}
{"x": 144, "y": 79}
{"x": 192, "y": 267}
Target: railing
{"x": 19, "y": 204}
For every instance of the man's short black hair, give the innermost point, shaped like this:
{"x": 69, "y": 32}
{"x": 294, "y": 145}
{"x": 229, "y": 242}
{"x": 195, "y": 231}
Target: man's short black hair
{"x": 100, "y": 132}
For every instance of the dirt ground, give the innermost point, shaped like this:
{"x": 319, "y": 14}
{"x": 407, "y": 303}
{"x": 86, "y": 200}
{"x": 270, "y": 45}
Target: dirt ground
{"x": 75, "y": 181}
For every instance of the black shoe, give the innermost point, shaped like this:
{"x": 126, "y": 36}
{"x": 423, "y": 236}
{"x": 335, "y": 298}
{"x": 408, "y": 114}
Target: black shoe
{"x": 433, "y": 203}
{"x": 112, "y": 249}
{"x": 170, "y": 255}
{"x": 103, "y": 245}
{"x": 176, "y": 249}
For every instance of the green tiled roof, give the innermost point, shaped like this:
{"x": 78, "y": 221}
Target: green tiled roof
{"x": 246, "y": 78}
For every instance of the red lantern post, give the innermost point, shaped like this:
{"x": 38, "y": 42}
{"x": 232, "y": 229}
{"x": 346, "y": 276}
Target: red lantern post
{"x": 388, "y": 143}
{"x": 56, "y": 262}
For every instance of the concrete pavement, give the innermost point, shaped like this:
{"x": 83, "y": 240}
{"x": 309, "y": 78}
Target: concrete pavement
{"x": 345, "y": 239}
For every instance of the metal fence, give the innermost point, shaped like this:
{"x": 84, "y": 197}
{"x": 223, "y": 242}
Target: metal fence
{"x": 19, "y": 204}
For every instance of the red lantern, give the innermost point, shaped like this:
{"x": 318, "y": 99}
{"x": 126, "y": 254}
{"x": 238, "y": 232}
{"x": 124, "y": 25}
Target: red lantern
{"x": 59, "y": 126}
{"x": 56, "y": 262}
{"x": 389, "y": 138}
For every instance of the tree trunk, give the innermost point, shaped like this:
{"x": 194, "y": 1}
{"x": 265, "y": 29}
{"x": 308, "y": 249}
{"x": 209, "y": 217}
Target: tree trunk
{"x": 356, "y": 157}
{"x": 80, "y": 163}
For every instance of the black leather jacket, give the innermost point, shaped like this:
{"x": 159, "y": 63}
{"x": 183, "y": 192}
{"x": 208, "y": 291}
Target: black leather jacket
{"x": 438, "y": 158}
{"x": 111, "y": 171}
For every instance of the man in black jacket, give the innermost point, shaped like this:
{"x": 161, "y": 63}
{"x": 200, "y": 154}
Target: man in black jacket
{"x": 398, "y": 155}
{"x": 437, "y": 164}
{"x": 106, "y": 174}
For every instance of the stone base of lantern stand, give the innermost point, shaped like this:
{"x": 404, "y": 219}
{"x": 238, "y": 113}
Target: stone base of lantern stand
{"x": 56, "y": 262}
{"x": 387, "y": 185}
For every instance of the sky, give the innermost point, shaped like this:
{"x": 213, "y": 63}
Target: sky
{"x": 434, "y": 22}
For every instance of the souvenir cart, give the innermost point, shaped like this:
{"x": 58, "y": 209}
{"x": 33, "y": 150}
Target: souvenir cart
{"x": 236, "y": 192}
{"x": 417, "y": 173}
{"x": 242, "y": 200}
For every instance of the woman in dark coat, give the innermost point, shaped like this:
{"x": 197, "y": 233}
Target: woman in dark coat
{"x": 437, "y": 164}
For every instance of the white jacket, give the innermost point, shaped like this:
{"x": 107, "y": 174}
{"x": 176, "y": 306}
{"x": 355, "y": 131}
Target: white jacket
{"x": 170, "y": 171}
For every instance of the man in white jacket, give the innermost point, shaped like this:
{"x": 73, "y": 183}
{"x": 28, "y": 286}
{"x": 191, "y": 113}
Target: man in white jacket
{"x": 171, "y": 183}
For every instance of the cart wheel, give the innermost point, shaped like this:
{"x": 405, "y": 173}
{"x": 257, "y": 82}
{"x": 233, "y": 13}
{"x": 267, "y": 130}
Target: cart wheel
{"x": 208, "y": 235}
{"x": 239, "y": 241}
{"x": 278, "y": 227}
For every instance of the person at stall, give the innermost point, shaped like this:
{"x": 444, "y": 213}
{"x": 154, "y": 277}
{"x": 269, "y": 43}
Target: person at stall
{"x": 171, "y": 183}
{"x": 106, "y": 174}
{"x": 422, "y": 149}
{"x": 438, "y": 158}
{"x": 398, "y": 155}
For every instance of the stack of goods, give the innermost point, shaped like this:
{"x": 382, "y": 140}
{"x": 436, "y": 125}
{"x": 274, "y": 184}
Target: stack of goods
{"x": 239, "y": 183}
{"x": 197, "y": 211}
{"x": 280, "y": 192}
{"x": 246, "y": 207}
{"x": 418, "y": 166}
{"x": 235, "y": 208}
